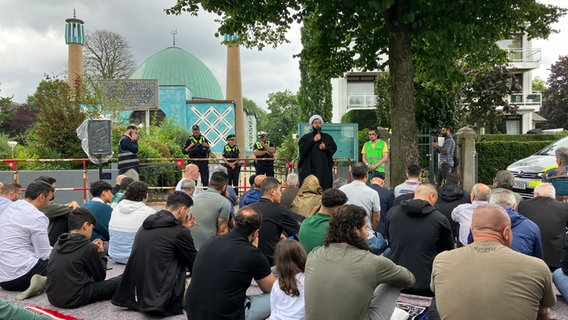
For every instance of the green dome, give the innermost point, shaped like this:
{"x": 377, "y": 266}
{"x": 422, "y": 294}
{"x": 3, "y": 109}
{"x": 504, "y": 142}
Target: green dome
{"x": 175, "y": 66}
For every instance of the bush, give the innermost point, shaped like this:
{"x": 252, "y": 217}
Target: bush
{"x": 523, "y": 137}
{"x": 498, "y": 155}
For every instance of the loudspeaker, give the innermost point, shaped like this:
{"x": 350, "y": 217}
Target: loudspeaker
{"x": 99, "y": 137}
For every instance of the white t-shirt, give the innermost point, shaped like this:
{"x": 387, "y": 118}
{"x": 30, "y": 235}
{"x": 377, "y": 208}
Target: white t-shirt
{"x": 285, "y": 307}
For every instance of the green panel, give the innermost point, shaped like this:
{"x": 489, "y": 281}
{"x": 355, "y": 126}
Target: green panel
{"x": 344, "y": 134}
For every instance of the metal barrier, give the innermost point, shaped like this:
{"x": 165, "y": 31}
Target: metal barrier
{"x": 162, "y": 174}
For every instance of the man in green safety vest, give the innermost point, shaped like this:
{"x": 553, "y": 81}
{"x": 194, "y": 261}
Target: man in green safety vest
{"x": 375, "y": 152}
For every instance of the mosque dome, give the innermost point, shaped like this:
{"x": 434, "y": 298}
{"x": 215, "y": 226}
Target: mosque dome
{"x": 175, "y": 66}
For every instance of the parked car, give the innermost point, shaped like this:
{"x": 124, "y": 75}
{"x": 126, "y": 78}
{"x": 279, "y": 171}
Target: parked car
{"x": 528, "y": 172}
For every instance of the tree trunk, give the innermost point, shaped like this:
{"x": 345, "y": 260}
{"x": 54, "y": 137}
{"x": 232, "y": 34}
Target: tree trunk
{"x": 404, "y": 144}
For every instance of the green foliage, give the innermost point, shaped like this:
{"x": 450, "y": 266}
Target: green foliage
{"x": 384, "y": 100}
{"x": 497, "y": 155}
{"x": 289, "y": 148}
{"x": 555, "y": 99}
{"x": 436, "y": 39}
{"x": 486, "y": 90}
{"x": 365, "y": 118}
{"x": 362, "y": 138}
{"x": 522, "y": 137}
{"x": 5, "y": 150}
{"x": 5, "y": 111}
{"x": 314, "y": 95}
{"x": 538, "y": 85}
{"x": 283, "y": 117}
{"x": 57, "y": 120}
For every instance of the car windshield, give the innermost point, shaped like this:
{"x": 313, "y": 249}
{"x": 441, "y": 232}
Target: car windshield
{"x": 549, "y": 150}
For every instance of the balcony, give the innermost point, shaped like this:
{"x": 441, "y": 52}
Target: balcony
{"x": 528, "y": 101}
{"x": 525, "y": 59}
{"x": 361, "y": 101}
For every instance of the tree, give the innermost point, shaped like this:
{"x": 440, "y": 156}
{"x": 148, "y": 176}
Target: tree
{"x": 314, "y": 95}
{"x": 5, "y": 108}
{"x": 538, "y": 85}
{"x": 438, "y": 38}
{"x": 22, "y": 118}
{"x": 485, "y": 91}
{"x": 283, "y": 116}
{"x": 57, "y": 120}
{"x": 555, "y": 104}
{"x": 108, "y": 56}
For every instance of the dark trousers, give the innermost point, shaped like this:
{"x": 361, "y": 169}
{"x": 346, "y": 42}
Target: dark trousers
{"x": 443, "y": 172}
{"x": 58, "y": 227}
{"x": 104, "y": 290}
{"x": 203, "y": 170}
{"x": 23, "y": 282}
{"x": 234, "y": 176}
{"x": 264, "y": 168}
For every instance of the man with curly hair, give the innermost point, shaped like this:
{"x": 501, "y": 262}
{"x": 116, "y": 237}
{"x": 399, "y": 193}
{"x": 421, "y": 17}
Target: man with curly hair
{"x": 343, "y": 280}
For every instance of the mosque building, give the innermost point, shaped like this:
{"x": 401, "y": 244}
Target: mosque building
{"x": 188, "y": 93}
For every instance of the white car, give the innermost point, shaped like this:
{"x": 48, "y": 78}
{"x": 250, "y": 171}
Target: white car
{"x": 529, "y": 171}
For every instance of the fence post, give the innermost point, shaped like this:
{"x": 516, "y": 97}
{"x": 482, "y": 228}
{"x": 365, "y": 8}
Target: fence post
{"x": 466, "y": 152}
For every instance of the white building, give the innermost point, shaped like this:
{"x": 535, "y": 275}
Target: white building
{"x": 357, "y": 89}
{"x": 523, "y": 58}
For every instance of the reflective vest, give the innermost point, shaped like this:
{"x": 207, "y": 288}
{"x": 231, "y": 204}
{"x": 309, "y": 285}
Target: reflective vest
{"x": 231, "y": 152}
{"x": 375, "y": 154}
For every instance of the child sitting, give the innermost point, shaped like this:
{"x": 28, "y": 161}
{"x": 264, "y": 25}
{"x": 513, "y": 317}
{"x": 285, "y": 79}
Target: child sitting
{"x": 287, "y": 295}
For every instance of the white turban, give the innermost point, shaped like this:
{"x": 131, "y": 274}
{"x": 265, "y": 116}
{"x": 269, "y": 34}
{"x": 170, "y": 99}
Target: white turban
{"x": 314, "y": 117}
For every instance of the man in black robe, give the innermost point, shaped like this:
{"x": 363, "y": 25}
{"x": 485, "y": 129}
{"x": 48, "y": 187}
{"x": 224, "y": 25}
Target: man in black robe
{"x": 316, "y": 152}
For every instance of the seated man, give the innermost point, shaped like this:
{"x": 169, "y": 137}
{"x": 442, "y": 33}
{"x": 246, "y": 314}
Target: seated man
{"x": 526, "y": 234}
{"x": 76, "y": 270}
{"x": 275, "y": 218}
{"x": 413, "y": 176}
{"x": 417, "y": 232}
{"x": 313, "y": 229}
{"x": 343, "y": 280}
{"x": 558, "y": 177}
{"x": 163, "y": 251}
{"x": 117, "y": 197}
{"x": 23, "y": 238}
{"x": 99, "y": 206}
{"x": 462, "y": 213}
{"x": 211, "y": 210}
{"x": 223, "y": 271}
{"x": 291, "y": 190}
{"x": 187, "y": 186}
{"x": 254, "y": 194}
{"x": 10, "y": 193}
{"x": 126, "y": 219}
{"x": 488, "y": 280}
{"x": 57, "y": 213}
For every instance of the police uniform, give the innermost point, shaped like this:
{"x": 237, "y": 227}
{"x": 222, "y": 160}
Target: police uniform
{"x": 232, "y": 153}
{"x": 264, "y": 166}
{"x": 199, "y": 151}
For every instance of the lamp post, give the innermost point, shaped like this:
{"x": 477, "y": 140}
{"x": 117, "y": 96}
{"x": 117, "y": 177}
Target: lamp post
{"x": 12, "y": 145}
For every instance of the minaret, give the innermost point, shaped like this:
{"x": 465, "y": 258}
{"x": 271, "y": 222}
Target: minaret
{"x": 235, "y": 88}
{"x": 75, "y": 38}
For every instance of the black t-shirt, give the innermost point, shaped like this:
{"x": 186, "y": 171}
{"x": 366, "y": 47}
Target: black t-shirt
{"x": 275, "y": 219}
{"x": 222, "y": 272}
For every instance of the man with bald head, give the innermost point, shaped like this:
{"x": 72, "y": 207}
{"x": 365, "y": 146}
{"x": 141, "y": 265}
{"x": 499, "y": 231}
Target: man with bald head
{"x": 417, "y": 232}
{"x": 551, "y": 216}
{"x": 191, "y": 171}
{"x": 488, "y": 280}
{"x": 462, "y": 214}
{"x": 254, "y": 194}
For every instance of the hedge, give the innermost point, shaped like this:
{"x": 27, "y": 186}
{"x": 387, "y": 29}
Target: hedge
{"x": 498, "y": 155}
{"x": 523, "y": 137}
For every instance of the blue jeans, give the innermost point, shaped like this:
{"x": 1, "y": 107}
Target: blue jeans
{"x": 257, "y": 307}
{"x": 377, "y": 243}
{"x": 561, "y": 282}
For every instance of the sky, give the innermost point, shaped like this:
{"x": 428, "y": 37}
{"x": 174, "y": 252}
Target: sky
{"x": 32, "y": 43}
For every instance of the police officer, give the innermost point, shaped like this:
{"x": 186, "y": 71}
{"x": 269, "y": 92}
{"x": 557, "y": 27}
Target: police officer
{"x": 197, "y": 147}
{"x": 231, "y": 158}
{"x": 263, "y": 149}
